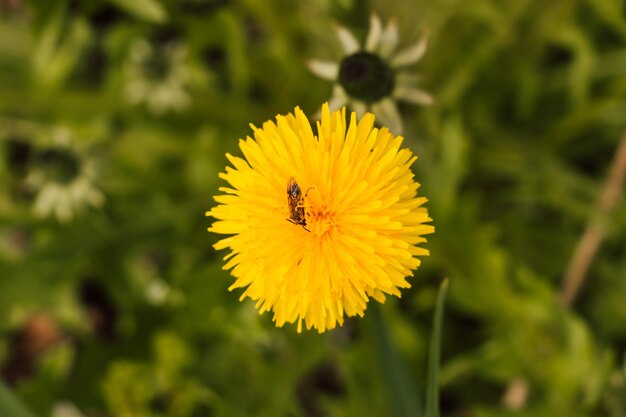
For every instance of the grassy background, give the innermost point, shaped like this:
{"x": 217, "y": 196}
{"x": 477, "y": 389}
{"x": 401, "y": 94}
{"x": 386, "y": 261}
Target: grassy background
{"x": 123, "y": 310}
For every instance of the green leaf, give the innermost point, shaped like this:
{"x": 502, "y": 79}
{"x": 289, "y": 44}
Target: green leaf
{"x": 10, "y": 405}
{"x": 148, "y": 10}
{"x": 432, "y": 384}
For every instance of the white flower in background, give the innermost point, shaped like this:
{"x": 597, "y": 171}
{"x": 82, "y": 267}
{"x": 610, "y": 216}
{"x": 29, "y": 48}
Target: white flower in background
{"x": 66, "y": 409}
{"x": 157, "y": 77}
{"x": 63, "y": 179}
{"x": 157, "y": 291}
{"x": 375, "y": 76}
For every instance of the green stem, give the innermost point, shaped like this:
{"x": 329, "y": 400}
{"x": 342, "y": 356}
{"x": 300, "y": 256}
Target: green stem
{"x": 402, "y": 387}
{"x": 434, "y": 356}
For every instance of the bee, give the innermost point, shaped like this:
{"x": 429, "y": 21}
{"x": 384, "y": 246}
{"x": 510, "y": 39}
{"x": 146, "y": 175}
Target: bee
{"x": 295, "y": 201}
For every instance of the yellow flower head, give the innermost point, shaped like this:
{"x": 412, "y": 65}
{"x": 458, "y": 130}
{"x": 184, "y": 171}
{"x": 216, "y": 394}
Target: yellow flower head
{"x": 320, "y": 223}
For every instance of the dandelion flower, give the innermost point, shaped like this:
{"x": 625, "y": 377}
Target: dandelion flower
{"x": 374, "y": 76}
{"x": 353, "y": 233}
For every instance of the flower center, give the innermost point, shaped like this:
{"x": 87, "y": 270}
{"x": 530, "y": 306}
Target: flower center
{"x": 365, "y": 76}
{"x": 156, "y": 67}
{"x": 60, "y": 165}
{"x": 320, "y": 220}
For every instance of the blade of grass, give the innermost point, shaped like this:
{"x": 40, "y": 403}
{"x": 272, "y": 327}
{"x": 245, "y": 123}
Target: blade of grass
{"x": 10, "y": 405}
{"x": 434, "y": 355}
{"x": 148, "y": 10}
{"x": 402, "y": 387}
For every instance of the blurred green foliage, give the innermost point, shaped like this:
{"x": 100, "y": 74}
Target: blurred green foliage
{"x": 114, "y": 120}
